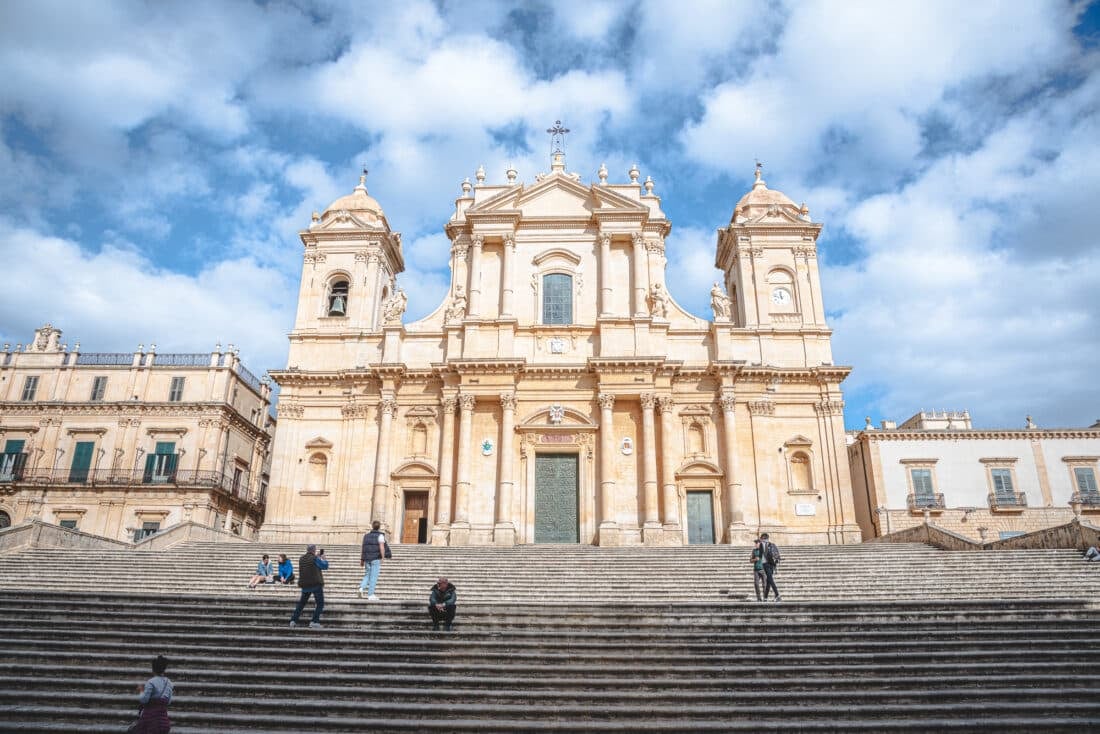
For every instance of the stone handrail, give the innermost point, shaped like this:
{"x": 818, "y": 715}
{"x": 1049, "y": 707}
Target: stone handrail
{"x": 39, "y": 534}
{"x": 931, "y": 535}
{"x": 186, "y": 531}
{"x": 1074, "y": 534}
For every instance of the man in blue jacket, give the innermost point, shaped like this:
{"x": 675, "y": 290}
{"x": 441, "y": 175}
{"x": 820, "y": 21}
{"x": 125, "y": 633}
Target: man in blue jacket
{"x": 443, "y": 603}
{"x": 311, "y": 581}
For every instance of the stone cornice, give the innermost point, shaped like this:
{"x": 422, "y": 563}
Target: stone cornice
{"x": 132, "y": 409}
{"x": 824, "y": 375}
{"x": 901, "y": 434}
{"x": 493, "y": 365}
{"x": 625, "y": 364}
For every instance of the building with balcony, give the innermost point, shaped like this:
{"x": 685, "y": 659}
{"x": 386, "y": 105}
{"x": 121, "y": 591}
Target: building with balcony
{"x": 125, "y": 444}
{"x": 986, "y": 484}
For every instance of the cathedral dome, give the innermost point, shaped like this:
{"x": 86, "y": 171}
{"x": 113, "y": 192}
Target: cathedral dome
{"x": 358, "y": 202}
{"x": 760, "y": 200}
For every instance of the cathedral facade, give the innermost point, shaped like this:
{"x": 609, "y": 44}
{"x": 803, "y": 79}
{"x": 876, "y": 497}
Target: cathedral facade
{"x": 559, "y": 394}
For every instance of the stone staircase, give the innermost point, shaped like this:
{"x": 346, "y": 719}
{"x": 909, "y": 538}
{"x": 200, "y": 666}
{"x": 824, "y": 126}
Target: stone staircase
{"x": 557, "y": 639}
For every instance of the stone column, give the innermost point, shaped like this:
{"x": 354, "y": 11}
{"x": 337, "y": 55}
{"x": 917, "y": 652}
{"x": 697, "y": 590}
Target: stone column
{"x": 446, "y": 473}
{"x": 609, "y": 527}
{"x": 475, "y": 276}
{"x": 367, "y": 295}
{"x": 605, "y": 274}
{"x": 460, "y": 528}
{"x": 651, "y": 529}
{"x": 668, "y": 464}
{"x": 739, "y": 532}
{"x": 505, "y": 532}
{"x": 641, "y": 285}
{"x": 506, "y": 287}
{"x": 386, "y": 408}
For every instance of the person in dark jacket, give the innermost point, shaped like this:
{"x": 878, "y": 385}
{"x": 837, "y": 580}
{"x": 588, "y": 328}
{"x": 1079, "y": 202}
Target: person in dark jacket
{"x": 759, "y": 579}
{"x": 771, "y": 559}
{"x": 443, "y": 603}
{"x": 156, "y": 694}
{"x": 286, "y": 570}
{"x": 374, "y": 550}
{"x": 312, "y": 582}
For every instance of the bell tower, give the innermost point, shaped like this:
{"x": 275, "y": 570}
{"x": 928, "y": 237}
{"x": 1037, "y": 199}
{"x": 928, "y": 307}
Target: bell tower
{"x": 349, "y": 270}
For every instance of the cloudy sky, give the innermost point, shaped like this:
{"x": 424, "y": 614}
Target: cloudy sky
{"x": 158, "y": 159}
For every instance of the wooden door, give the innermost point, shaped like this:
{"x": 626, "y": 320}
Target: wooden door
{"x": 414, "y": 525}
{"x": 700, "y": 506}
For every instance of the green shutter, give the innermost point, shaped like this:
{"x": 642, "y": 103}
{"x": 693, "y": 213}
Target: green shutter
{"x": 82, "y": 461}
{"x": 166, "y": 447}
{"x": 149, "y": 461}
{"x": 170, "y": 469}
{"x": 14, "y": 446}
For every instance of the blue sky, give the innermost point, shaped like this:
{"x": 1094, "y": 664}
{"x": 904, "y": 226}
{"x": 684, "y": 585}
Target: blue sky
{"x": 159, "y": 159}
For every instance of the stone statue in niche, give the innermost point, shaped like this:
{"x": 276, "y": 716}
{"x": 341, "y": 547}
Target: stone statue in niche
{"x": 394, "y": 307}
{"x": 719, "y": 303}
{"x": 457, "y": 310}
{"x": 658, "y": 301}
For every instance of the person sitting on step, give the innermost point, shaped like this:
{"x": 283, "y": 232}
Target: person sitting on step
{"x": 264, "y": 573}
{"x": 286, "y": 569}
{"x": 1092, "y": 554}
{"x": 442, "y": 603}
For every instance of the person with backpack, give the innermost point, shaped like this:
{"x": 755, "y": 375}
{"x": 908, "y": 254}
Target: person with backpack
{"x": 759, "y": 580}
{"x": 770, "y": 553}
{"x": 375, "y": 549}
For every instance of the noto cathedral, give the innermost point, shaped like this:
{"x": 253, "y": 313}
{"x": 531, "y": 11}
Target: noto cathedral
{"x": 559, "y": 394}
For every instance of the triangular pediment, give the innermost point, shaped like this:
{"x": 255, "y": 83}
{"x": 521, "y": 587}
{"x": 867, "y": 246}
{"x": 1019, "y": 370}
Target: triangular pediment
{"x": 558, "y": 195}
{"x": 798, "y": 440}
{"x": 319, "y": 442}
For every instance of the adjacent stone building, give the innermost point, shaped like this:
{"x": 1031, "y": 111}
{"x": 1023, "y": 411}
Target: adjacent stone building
{"x": 125, "y": 444}
{"x": 986, "y": 484}
{"x": 559, "y": 393}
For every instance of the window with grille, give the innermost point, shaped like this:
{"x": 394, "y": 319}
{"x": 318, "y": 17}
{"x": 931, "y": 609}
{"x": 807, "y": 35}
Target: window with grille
{"x": 1002, "y": 484}
{"x": 557, "y": 299}
{"x": 175, "y": 392}
{"x": 160, "y": 466}
{"x": 99, "y": 389}
{"x": 922, "y": 486}
{"x": 30, "y": 387}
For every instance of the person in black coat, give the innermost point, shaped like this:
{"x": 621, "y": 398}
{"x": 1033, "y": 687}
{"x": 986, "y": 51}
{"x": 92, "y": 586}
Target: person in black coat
{"x": 443, "y": 603}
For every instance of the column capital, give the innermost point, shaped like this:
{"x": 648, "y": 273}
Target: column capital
{"x": 604, "y": 238}
{"x": 449, "y": 403}
{"x": 387, "y": 406}
{"x": 638, "y": 238}
{"x": 477, "y": 240}
{"x": 509, "y": 240}
{"x": 466, "y": 401}
{"x": 606, "y": 400}
{"x": 648, "y": 400}
{"x": 728, "y": 401}
{"x": 664, "y": 403}
{"x": 508, "y": 400}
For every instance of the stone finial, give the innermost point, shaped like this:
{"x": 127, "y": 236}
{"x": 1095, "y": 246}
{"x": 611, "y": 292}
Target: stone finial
{"x": 480, "y": 175}
{"x": 634, "y": 173}
{"x": 316, "y": 217}
{"x": 76, "y": 347}
{"x": 511, "y": 173}
{"x": 804, "y": 211}
{"x": 1031, "y": 424}
{"x": 153, "y": 347}
{"x": 602, "y": 173}
{"x": 466, "y": 187}
{"x": 141, "y": 348}
{"x": 649, "y": 185}
{"x": 218, "y": 347}
{"x": 362, "y": 181}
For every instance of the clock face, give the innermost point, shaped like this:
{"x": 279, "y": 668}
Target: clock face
{"x": 781, "y": 297}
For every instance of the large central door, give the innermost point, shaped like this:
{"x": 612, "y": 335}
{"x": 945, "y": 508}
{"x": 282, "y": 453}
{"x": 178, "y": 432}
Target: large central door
{"x": 700, "y": 518}
{"x": 556, "y": 498}
{"x": 414, "y": 523}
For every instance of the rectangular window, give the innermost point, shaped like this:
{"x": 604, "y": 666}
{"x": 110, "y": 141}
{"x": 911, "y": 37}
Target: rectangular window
{"x": 30, "y": 387}
{"x": 160, "y": 466}
{"x": 238, "y": 474}
{"x": 1002, "y": 484}
{"x": 99, "y": 388}
{"x": 12, "y": 460}
{"x": 147, "y": 529}
{"x": 922, "y": 485}
{"x": 70, "y": 524}
{"x": 1085, "y": 478}
{"x": 175, "y": 392}
{"x": 82, "y": 462}
{"x": 557, "y": 299}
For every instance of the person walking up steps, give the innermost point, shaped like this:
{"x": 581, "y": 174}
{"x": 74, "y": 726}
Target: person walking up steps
{"x": 771, "y": 560}
{"x": 311, "y": 581}
{"x": 374, "y": 550}
{"x": 759, "y": 580}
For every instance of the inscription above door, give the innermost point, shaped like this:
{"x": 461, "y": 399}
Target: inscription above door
{"x": 556, "y": 498}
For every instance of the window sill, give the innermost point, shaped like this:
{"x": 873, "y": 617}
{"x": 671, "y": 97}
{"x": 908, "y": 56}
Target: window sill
{"x": 803, "y": 492}
{"x": 308, "y": 493}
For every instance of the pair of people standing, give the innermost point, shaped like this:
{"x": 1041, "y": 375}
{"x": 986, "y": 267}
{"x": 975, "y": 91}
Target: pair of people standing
{"x": 765, "y": 558}
{"x": 375, "y": 549}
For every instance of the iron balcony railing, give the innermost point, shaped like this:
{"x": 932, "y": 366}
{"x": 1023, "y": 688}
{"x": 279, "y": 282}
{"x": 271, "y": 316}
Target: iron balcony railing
{"x": 182, "y": 360}
{"x": 1087, "y": 499}
{"x": 124, "y": 477}
{"x": 925, "y": 502}
{"x": 248, "y": 378}
{"x": 115, "y": 359}
{"x": 1007, "y": 500}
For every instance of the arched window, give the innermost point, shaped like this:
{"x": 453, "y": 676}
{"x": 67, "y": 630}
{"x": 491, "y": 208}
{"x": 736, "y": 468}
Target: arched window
{"x": 801, "y": 476}
{"x": 338, "y": 298}
{"x": 5, "y": 519}
{"x": 781, "y": 290}
{"x": 318, "y": 468}
{"x": 557, "y": 298}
